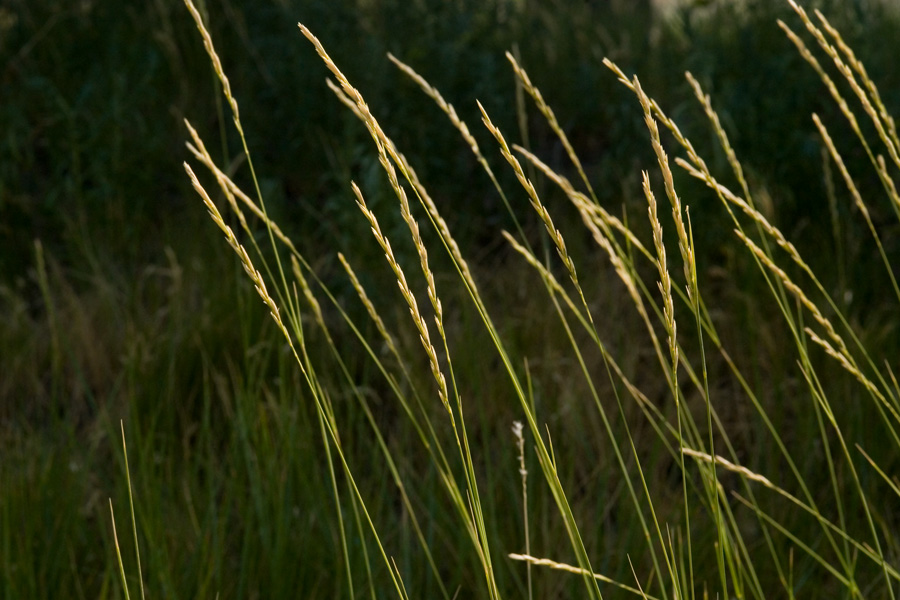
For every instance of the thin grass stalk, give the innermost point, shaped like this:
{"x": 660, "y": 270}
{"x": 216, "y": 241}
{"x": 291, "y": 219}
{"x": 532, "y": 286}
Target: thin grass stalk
{"x": 558, "y": 494}
{"x": 806, "y": 368}
{"x": 749, "y": 475}
{"x": 726, "y": 194}
{"x": 538, "y": 206}
{"x": 707, "y": 325}
{"x": 304, "y": 365}
{"x": 706, "y": 176}
{"x": 555, "y": 289}
{"x": 820, "y": 395}
{"x": 807, "y": 55}
{"x": 332, "y": 478}
{"x": 229, "y": 187}
{"x": 112, "y": 516}
{"x": 382, "y": 444}
{"x": 599, "y": 215}
{"x": 137, "y": 547}
{"x": 459, "y": 433}
{"x": 748, "y": 206}
{"x": 698, "y": 162}
{"x": 550, "y": 117}
{"x": 463, "y": 129}
{"x": 418, "y": 320}
{"x": 847, "y": 72}
{"x": 232, "y": 101}
{"x": 857, "y": 199}
{"x": 846, "y": 360}
{"x": 892, "y": 483}
{"x": 429, "y": 441}
{"x": 665, "y": 287}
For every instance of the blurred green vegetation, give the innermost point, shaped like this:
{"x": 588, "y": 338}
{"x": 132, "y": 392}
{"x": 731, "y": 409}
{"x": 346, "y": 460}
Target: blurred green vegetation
{"x": 137, "y": 317}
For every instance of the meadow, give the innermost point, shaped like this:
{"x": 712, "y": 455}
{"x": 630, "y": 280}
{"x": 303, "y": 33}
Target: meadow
{"x": 453, "y": 300}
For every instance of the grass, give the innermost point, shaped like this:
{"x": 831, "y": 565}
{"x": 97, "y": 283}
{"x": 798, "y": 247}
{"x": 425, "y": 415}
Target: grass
{"x": 706, "y": 406}
{"x": 710, "y": 524}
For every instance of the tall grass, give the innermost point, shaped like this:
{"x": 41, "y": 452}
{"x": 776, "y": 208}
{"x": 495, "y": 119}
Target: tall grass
{"x": 699, "y": 476}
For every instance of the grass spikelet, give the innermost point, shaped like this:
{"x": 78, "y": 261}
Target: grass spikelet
{"x": 727, "y": 464}
{"x": 713, "y": 117}
{"x": 660, "y": 115}
{"x": 751, "y": 212}
{"x": 430, "y": 206}
{"x": 559, "y": 566}
{"x": 388, "y": 152}
{"x": 665, "y": 283}
{"x": 588, "y": 209}
{"x": 344, "y": 99}
{"x": 798, "y": 293}
{"x": 421, "y": 325}
{"x": 445, "y": 106}
{"x": 421, "y": 191}
{"x": 684, "y": 243}
{"x": 857, "y": 197}
{"x": 543, "y": 213}
{"x": 381, "y": 139}
{"x": 216, "y": 63}
{"x": 367, "y": 303}
{"x": 517, "y": 430}
{"x": 550, "y": 117}
{"x": 851, "y": 368}
{"x": 860, "y": 69}
{"x": 810, "y": 58}
{"x": 251, "y": 271}
{"x": 848, "y": 74}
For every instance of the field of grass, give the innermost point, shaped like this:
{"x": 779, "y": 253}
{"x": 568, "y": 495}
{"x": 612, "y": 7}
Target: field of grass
{"x": 570, "y": 323}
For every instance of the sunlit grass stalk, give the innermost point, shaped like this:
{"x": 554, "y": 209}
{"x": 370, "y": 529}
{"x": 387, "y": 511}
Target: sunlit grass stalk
{"x": 875, "y": 114}
{"x": 544, "y": 458}
{"x": 803, "y": 50}
{"x": 382, "y": 444}
{"x": 751, "y": 476}
{"x": 703, "y": 172}
{"x": 550, "y": 117}
{"x": 303, "y": 363}
{"x": 435, "y": 95}
{"x": 815, "y": 386}
{"x": 555, "y": 289}
{"x": 779, "y": 238}
{"x": 137, "y": 549}
{"x": 665, "y": 288}
{"x": 471, "y": 142}
{"x": 476, "y": 525}
{"x": 539, "y": 208}
{"x": 235, "y": 113}
{"x": 857, "y": 199}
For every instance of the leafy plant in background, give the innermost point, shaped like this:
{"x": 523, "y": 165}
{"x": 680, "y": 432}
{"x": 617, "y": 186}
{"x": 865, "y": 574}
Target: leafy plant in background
{"x": 784, "y": 509}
